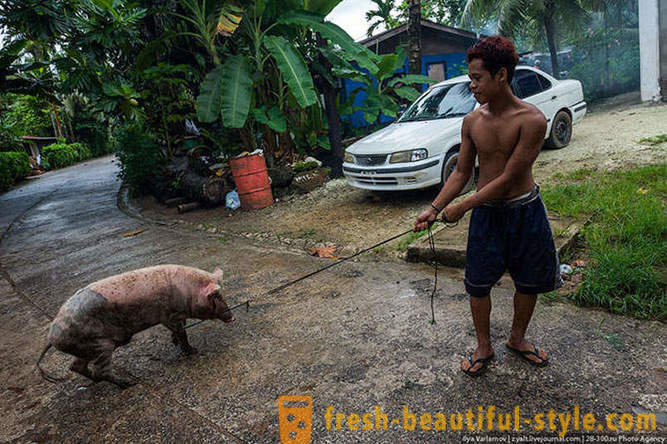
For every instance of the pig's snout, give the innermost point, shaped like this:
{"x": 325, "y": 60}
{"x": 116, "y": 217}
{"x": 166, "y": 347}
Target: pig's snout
{"x": 226, "y": 315}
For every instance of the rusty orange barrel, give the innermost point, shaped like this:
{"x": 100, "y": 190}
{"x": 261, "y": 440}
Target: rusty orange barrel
{"x": 252, "y": 181}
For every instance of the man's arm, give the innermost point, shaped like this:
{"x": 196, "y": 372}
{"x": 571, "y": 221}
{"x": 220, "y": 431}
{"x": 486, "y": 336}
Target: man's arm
{"x": 526, "y": 151}
{"x": 456, "y": 181}
{"x": 464, "y": 168}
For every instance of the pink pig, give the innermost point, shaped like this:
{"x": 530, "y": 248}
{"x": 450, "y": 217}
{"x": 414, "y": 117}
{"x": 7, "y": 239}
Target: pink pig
{"x": 106, "y": 314}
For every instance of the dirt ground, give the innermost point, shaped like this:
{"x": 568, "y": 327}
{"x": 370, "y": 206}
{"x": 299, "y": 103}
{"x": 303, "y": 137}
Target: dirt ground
{"x": 353, "y": 219}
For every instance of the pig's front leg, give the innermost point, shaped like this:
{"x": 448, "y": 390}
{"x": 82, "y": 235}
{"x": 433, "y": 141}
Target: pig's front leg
{"x": 179, "y": 337}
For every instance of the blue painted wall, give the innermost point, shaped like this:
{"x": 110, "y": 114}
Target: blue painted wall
{"x": 453, "y": 62}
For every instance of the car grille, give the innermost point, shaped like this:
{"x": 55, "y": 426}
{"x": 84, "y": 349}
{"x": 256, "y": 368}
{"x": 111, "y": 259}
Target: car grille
{"x": 370, "y": 159}
{"x": 376, "y": 180}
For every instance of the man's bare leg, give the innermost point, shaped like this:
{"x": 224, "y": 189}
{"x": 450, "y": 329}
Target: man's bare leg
{"x": 524, "y": 305}
{"x": 481, "y": 313}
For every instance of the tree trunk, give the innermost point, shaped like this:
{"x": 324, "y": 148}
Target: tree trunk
{"x": 551, "y": 38}
{"x": 182, "y": 180}
{"x": 206, "y": 189}
{"x": 57, "y": 127}
{"x": 330, "y": 93}
{"x": 414, "y": 36}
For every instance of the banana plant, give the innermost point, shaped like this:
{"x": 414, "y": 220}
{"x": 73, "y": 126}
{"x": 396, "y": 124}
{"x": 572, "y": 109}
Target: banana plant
{"x": 269, "y": 82}
{"x": 383, "y": 87}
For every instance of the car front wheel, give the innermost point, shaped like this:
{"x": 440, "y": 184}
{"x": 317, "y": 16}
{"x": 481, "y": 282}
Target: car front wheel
{"x": 561, "y": 131}
{"x": 449, "y": 167}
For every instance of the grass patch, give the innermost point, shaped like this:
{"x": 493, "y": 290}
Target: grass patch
{"x": 655, "y": 140}
{"x": 626, "y": 239}
{"x": 306, "y": 232}
{"x": 409, "y": 238}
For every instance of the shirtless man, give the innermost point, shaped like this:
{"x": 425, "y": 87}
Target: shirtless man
{"x": 509, "y": 229}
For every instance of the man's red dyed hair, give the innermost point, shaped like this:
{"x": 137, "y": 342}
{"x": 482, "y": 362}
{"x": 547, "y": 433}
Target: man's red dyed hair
{"x": 496, "y": 52}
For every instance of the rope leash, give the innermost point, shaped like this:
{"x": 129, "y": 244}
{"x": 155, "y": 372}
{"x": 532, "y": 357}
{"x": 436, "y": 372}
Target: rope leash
{"x": 282, "y": 287}
{"x": 433, "y": 263}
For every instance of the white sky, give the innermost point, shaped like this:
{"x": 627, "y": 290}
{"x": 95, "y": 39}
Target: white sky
{"x": 351, "y": 16}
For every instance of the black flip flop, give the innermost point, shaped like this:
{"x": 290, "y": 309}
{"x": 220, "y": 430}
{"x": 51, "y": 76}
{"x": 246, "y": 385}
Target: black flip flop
{"x": 523, "y": 354}
{"x": 480, "y": 370}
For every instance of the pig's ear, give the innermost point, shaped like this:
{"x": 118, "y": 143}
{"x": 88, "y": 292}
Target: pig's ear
{"x": 210, "y": 292}
{"x": 218, "y": 274}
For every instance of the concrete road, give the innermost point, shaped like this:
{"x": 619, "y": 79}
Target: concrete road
{"x": 356, "y": 337}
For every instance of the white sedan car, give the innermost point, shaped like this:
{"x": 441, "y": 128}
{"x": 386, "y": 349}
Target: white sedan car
{"x": 420, "y": 149}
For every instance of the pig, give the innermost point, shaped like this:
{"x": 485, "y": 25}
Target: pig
{"x": 106, "y": 314}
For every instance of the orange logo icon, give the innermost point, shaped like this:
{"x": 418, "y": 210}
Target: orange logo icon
{"x": 295, "y": 415}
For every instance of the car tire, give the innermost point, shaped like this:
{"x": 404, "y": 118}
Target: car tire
{"x": 561, "y": 131}
{"x": 448, "y": 167}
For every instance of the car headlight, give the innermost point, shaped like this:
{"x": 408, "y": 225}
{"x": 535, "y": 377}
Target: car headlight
{"x": 409, "y": 156}
{"x": 349, "y": 158}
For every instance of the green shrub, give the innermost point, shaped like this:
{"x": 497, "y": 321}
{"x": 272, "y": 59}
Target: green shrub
{"x": 82, "y": 151}
{"x": 13, "y": 166}
{"x": 139, "y": 154}
{"x": 59, "y": 155}
{"x": 300, "y": 167}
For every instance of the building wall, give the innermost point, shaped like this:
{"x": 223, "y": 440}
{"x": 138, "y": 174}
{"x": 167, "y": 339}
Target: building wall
{"x": 649, "y": 49}
{"x": 663, "y": 48}
{"x": 446, "y": 55}
{"x": 432, "y": 43}
{"x": 452, "y": 64}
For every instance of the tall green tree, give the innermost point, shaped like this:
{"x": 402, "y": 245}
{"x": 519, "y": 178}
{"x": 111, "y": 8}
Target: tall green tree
{"x": 382, "y": 16}
{"x": 553, "y": 19}
{"x": 445, "y": 12}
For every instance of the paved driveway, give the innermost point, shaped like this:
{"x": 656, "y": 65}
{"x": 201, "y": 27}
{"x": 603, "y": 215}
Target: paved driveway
{"x": 354, "y": 337}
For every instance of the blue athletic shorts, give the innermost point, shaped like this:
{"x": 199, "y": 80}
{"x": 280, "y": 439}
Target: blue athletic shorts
{"x": 511, "y": 235}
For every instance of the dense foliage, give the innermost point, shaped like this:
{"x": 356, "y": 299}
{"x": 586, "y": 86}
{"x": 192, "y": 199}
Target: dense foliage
{"x": 244, "y": 74}
{"x": 14, "y": 166}
{"x": 139, "y": 154}
{"x": 60, "y": 155}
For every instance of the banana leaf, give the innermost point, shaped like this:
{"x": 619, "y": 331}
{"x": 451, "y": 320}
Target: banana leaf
{"x": 209, "y": 101}
{"x": 333, "y": 32}
{"x": 230, "y": 19}
{"x": 363, "y": 60}
{"x": 407, "y": 93}
{"x": 411, "y": 79}
{"x": 236, "y": 94}
{"x": 389, "y": 106}
{"x": 351, "y": 74}
{"x": 293, "y": 68}
{"x": 274, "y": 119}
{"x": 386, "y": 66}
{"x": 320, "y": 6}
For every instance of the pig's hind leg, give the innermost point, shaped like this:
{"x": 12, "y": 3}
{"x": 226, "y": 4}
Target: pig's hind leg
{"x": 80, "y": 366}
{"x": 179, "y": 336}
{"x": 102, "y": 370}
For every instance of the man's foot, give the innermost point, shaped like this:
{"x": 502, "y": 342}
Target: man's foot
{"x": 476, "y": 364}
{"x": 528, "y": 352}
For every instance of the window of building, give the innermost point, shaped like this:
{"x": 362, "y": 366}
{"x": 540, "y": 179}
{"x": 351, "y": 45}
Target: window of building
{"x": 437, "y": 71}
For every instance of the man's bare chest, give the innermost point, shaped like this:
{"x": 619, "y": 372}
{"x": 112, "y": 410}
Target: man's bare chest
{"x": 495, "y": 136}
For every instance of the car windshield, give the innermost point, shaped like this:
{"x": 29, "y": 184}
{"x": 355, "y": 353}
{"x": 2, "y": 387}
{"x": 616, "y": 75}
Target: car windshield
{"x": 442, "y": 102}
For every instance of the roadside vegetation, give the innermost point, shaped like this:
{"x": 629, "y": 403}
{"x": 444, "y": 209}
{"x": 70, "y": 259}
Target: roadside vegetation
{"x": 655, "y": 140}
{"x": 625, "y": 241}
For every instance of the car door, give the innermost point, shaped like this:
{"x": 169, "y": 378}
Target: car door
{"x": 537, "y": 90}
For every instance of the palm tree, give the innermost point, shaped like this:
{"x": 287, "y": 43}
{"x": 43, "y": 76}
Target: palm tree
{"x": 382, "y": 14}
{"x": 515, "y": 16}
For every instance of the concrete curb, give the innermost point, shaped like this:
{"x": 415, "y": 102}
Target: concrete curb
{"x": 455, "y": 255}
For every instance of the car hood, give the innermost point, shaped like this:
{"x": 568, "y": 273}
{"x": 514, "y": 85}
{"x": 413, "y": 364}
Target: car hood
{"x": 428, "y": 134}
